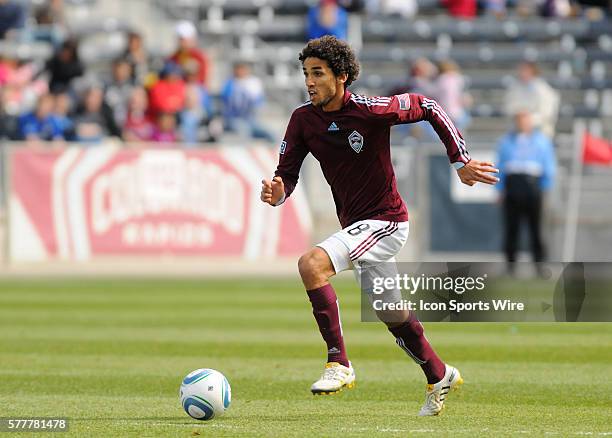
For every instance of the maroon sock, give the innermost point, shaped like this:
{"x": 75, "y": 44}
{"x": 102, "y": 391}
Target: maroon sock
{"x": 409, "y": 336}
{"x": 325, "y": 310}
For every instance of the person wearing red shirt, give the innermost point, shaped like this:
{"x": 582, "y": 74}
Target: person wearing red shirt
{"x": 168, "y": 94}
{"x": 461, "y": 8}
{"x": 188, "y": 52}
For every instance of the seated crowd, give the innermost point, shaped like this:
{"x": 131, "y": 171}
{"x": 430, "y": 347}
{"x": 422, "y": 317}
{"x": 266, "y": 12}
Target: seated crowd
{"x": 140, "y": 100}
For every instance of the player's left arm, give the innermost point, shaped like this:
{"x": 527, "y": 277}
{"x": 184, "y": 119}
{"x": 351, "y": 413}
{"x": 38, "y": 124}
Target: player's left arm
{"x": 411, "y": 108}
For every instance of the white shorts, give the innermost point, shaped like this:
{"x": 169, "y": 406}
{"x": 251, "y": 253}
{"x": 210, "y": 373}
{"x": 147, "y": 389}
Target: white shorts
{"x": 365, "y": 243}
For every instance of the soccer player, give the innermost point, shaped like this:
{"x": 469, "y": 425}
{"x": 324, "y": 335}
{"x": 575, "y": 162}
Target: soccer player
{"x": 349, "y": 135}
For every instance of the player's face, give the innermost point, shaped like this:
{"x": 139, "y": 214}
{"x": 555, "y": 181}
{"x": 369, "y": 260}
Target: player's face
{"x": 325, "y": 89}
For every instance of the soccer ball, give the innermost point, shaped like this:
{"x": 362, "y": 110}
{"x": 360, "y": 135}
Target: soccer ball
{"x": 205, "y": 394}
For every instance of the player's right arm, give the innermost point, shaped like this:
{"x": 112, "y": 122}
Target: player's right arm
{"x": 292, "y": 152}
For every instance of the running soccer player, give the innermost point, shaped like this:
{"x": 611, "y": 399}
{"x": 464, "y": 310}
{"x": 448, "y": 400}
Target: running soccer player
{"x": 349, "y": 135}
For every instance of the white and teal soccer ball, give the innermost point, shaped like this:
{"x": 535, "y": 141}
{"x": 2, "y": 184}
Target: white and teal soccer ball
{"x": 205, "y": 394}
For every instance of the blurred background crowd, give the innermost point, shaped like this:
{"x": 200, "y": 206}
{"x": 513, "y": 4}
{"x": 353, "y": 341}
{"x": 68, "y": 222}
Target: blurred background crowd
{"x": 197, "y": 89}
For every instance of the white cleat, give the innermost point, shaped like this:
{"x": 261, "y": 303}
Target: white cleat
{"x": 335, "y": 377}
{"x": 436, "y": 393}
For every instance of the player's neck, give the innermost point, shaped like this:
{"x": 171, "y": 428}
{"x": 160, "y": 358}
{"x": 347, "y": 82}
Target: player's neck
{"x": 335, "y": 104}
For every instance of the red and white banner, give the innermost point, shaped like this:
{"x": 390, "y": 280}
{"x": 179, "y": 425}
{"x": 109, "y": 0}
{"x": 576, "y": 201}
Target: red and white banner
{"x": 75, "y": 204}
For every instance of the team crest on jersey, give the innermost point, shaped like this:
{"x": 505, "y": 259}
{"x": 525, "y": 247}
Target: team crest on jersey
{"x": 283, "y": 146}
{"x": 404, "y": 101}
{"x": 356, "y": 141}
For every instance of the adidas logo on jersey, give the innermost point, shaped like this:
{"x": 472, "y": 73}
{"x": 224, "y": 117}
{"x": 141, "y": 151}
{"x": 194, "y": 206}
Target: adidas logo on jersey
{"x": 333, "y": 127}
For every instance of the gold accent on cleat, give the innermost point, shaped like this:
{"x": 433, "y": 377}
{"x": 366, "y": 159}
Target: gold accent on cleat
{"x": 458, "y": 384}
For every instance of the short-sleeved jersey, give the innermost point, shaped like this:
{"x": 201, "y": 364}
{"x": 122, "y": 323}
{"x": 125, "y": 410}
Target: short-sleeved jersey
{"x": 352, "y": 145}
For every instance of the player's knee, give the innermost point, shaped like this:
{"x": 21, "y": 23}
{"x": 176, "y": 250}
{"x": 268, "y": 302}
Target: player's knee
{"x": 313, "y": 264}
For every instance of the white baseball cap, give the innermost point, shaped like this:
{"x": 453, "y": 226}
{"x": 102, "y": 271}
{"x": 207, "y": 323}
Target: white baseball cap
{"x": 186, "y": 29}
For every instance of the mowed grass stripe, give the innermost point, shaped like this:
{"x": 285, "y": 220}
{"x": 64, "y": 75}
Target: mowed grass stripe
{"x": 394, "y": 419}
{"x": 372, "y": 334}
{"x": 266, "y": 388}
{"x": 279, "y": 349}
{"x": 400, "y": 368}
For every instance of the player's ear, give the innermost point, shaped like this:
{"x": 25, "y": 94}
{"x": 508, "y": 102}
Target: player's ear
{"x": 342, "y": 77}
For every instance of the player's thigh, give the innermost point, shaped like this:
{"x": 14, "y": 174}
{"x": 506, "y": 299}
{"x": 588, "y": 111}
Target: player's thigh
{"x": 337, "y": 252}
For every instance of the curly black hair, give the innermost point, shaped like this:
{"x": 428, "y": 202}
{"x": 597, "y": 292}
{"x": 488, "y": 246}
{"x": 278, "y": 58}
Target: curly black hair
{"x": 338, "y": 54}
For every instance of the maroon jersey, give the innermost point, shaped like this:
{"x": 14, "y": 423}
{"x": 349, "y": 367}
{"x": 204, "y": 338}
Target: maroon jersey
{"x": 352, "y": 146}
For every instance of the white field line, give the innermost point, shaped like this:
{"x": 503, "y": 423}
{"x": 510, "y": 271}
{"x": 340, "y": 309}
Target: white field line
{"x": 228, "y": 426}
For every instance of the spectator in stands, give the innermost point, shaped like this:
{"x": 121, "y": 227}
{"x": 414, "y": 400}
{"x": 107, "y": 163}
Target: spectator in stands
{"x": 188, "y": 51}
{"x": 7, "y": 123}
{"x": 496, "y": 8}
{"x": 530, "y": 87}
{"x": 450, "y": 93}
{"x": 196, "y": 119}
{"x": 465, "y": 9}
{"x": 167, "y": 95}
{"x": 20, "y": 86}
{"x": 12, "y": 18}
{"x": 61, "y": 114}
{"x": 527, "y": 165}
{"x": 242, "y": 97}
{"x": 119, "y": 89}
{"x": 420, "y": 79}
{"x": 594, "y": 10}
{"x": 64, "y": 66}
{"x": 50, "y": 26}
{"x": 401, "y": 8}
{"x": 94, "y": 119}
{"x": 136, "y": 54}
{"x": 327, "y": 18}
{"x": 138, "y": 124}
{"x": 40, "y": 124}
{"x": 165, "y": 129}
{"x": 556, "y": 8}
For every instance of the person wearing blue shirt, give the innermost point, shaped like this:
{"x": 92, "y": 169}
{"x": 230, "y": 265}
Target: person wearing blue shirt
{"x": 242, "y": 96}
{"x": 527, "y": 164}
{"x": 41, "y": 123}
{"x": 327, "y": 18}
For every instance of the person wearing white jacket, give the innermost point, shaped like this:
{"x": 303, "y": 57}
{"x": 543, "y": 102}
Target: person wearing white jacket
{"x": 543, "y": 99}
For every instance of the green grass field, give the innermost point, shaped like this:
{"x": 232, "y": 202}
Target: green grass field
{"x": 110, "y": 355}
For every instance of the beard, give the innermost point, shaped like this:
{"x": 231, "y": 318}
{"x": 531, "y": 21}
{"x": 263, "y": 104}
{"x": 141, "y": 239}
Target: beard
{"x": 322, "y": 102}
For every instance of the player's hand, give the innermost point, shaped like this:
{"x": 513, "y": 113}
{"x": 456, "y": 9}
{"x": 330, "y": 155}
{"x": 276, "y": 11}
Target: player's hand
{"x": 478, "y": 171}
{"x": 272, "y": 191}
